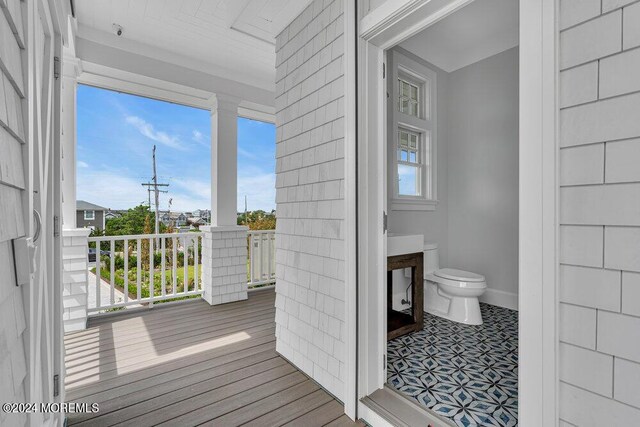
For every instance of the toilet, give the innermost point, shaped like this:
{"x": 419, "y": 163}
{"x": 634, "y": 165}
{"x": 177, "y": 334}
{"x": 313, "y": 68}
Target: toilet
{"x": 451, "y": 293}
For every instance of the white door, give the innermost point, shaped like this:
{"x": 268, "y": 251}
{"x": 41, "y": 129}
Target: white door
{"x": 42, "y": 205}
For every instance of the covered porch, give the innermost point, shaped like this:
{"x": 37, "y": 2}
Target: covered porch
{"x": 189, "y": 363}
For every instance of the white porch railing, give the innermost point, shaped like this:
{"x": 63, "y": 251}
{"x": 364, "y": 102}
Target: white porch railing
{"x": 173, "y": 260}
{"x": 120, "y": 266}
{"x": 262, "y": 263}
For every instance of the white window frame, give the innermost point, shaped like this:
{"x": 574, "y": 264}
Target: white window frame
{"x": 401, "y": 66}
{"x": 89, "y": 218}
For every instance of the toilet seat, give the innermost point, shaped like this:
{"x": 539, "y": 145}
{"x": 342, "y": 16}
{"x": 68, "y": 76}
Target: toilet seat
{"x": 458, "y": 275}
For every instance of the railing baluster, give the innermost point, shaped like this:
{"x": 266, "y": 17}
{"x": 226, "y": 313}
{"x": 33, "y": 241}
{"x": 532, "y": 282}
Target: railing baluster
{"x": 261, "y": 246}
{"x": 139, "y": 270}
{"x": 163, "y": 272}
{"x": 112, "y": 271}
{"x": 185, "y": 264}
{"x": 126, "y": 270}
{"x": 174, "y": 264}
{"x": 151, "y": 287}
{"x": 195, "y": 264}
{"x": 268, "y": 256}
{"x": 252, "y": 258}
{"x": 98, "y": 302}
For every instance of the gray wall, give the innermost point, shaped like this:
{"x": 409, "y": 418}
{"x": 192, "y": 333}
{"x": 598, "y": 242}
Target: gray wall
{"x": 482, "y": 171}
{"x": 433, "y": 224}
{"x": 98, "y": 222}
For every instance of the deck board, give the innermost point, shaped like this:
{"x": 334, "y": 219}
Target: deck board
{"x": 190, "y": 364}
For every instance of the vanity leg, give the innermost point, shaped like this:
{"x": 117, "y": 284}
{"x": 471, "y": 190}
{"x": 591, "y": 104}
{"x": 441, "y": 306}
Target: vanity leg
{"x": 417, "y": 293}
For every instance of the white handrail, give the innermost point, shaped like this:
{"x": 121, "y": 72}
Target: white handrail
{"x": 118, "y": 285}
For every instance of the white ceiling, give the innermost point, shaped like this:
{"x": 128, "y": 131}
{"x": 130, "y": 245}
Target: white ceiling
{"x": 234, "y": 39}
{"x": 477, "y": 31}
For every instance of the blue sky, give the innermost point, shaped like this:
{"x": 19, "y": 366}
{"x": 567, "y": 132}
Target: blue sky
{"x": 116, "y": 134}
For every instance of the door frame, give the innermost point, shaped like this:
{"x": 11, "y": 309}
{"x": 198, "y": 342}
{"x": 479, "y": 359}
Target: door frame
{"x": 43, "y": 294}
{"x": 385, "y": 27}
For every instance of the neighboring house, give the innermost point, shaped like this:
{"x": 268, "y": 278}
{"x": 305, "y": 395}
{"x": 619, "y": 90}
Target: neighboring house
{"x": 165, "y": 218}
{"x": 179, "y": 219}
{"x": 89, "y": 215}
{"x": 204, "y": 214}
{"x": 383, "y": 141}
{"x": 110, "y": 214}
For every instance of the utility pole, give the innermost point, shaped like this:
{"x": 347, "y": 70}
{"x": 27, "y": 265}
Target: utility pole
{"x": 246, "y": 220}
{"x": 156, "y": 192}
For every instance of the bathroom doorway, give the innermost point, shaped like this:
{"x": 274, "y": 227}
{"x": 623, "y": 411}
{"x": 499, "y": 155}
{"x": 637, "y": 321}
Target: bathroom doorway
{"x": 446, "y": 160}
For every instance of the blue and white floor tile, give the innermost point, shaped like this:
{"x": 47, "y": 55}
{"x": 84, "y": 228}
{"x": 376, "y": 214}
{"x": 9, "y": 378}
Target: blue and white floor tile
{"x": 466, "y": 373}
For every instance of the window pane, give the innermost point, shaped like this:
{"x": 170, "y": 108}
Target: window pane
{"x": 408, "y": 180}
{"x": 408, "y": 98}
{"x": 412, "y": 157}
{"x": 414, "y": 93}
{"x": 404, "y": 139}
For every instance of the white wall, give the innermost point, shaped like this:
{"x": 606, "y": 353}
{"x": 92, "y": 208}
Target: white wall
{"x": 310, "y": 268}
{"x": 482, "y": 173}
{"x": 599, "y": 213}
{"x": 476, "y": 220}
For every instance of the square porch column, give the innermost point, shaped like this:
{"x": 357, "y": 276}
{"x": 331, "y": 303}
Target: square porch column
{"x": 224, "y": 243}
{"x": 71, "y": 68}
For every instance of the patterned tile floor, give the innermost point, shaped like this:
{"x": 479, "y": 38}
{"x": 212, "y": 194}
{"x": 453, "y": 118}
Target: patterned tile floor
{"x": 468, "y": 374}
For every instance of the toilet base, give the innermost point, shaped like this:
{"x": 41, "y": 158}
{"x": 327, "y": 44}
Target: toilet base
{"x": 465, "y": 310}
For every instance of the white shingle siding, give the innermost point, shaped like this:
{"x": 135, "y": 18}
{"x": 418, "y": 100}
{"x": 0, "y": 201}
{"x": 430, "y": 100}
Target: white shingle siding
{"x": 224, "y": 264}
{"x": 13, "y": 327}
{"x": 599, "y": 212}
{"x": 74, "y": 279}
{"x": 310, "y": 87}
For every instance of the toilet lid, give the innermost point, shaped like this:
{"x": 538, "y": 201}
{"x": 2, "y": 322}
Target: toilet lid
{"x": 460, "y": 275}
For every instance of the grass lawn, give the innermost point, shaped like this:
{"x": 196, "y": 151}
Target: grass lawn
{"x": 144, "y": 281}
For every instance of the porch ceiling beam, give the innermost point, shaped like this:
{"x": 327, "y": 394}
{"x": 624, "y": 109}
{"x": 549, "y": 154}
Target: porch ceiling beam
{"x": 100, "y": 54}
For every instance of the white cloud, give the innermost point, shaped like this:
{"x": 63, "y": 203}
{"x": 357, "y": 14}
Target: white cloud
{"x": 110, "y": 189}
{"x": 197, "y": 136}
{"x": 149, "y": 131}
{"x": 198, "y": 188}
{"x": 260, "y": 191}
{"x": 82, "y": 164}
{"x": 246, "y": 153}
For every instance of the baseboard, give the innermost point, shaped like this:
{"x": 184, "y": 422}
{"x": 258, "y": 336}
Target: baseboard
{"x": 500, "y": 298}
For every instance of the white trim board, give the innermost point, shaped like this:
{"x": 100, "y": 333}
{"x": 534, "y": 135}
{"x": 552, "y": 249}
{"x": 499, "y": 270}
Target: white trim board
{"x": 500, "y": 298}
{"x": 104, "y": 77}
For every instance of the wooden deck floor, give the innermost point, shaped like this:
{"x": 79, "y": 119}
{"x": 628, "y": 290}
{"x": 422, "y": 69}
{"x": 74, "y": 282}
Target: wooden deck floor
{"x": 192, "y": 364}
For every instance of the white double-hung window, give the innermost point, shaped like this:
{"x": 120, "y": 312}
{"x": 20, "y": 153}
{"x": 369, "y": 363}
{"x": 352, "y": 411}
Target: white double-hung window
{"x": 411, "y": 136}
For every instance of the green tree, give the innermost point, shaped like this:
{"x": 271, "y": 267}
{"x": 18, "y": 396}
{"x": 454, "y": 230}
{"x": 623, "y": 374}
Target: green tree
{"x": 258, "y": 220}
{"x": 130, "y": 222}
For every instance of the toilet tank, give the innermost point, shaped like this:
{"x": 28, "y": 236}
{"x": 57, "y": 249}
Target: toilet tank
{"x": 431, "y": 261}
